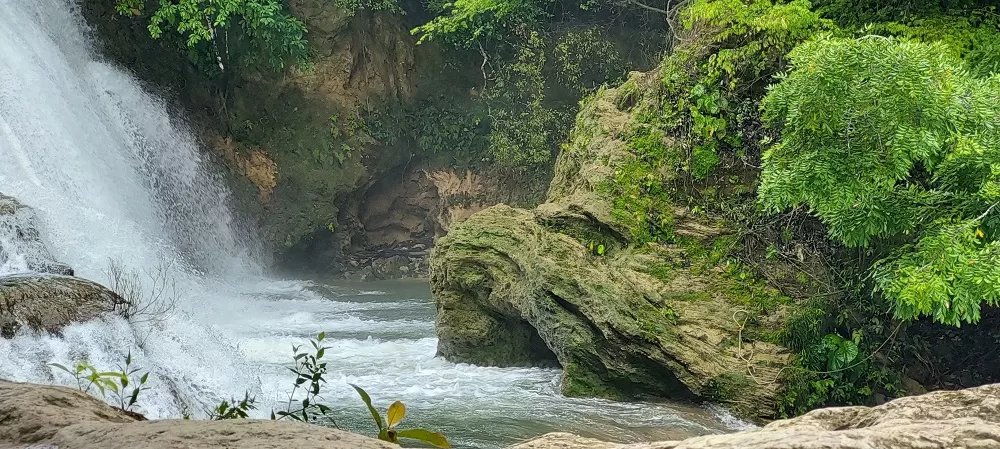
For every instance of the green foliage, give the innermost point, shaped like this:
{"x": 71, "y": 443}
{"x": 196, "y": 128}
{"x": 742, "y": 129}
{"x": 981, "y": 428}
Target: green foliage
{"x": 123, "y": 385}
{"x": 387, "y": 426}
{"x": 754, "y": 36}
{"x": 352, "y": 7}
{"x": 597, "y": 248}
{"x": 640, "y": 189}
{"x": 585, "y": 60}
{"x": 970, "y": 35}
{"x": 750, "y": 40}
{"x": 539, "y": 59}
{"x": 521, "y": 128}
{"x": 859, "y": 13}
{"x": 891, "y": 141}
{"x": 233, "y": 408}
{"x": 466, "y": 22}
{"x": 807, "y": 389}
{"x": 947, "y": 274}
{"x": 839, "y": 351}
{"x": 694, "y": 120}
{"x": 309, "y": 371}
{"x": 219, "y": 33}
{"x": 442, "y": 129}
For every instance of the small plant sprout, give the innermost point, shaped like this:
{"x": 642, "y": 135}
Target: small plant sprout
{"x": 124, "y": 379}
{"x": 309, "y": 370}
{"x": 394, "y": 415}
{"x": 124, "y": 385}
{"x": 86, "y": 376}
{"x": 233, "y": 409}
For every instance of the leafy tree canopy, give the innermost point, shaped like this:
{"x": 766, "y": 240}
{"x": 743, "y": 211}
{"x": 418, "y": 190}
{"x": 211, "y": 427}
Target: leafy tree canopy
{"x": 893, "y": 143}
{"x": 250, "y": 33}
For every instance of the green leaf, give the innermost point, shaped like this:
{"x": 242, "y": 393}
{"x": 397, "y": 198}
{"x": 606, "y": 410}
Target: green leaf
{"x": 432, "y": 438}
{"x": 56, "y": 365}
{"x": 840, "y": 351}
{"x": 371, "y": 408}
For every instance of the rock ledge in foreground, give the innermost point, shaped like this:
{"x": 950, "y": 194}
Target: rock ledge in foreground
{"x": 941, "y": 420}
{"x": 46, "y": 416}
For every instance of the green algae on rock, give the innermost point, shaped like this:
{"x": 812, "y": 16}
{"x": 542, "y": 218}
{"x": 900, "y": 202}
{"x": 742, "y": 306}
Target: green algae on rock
{"x": 525, "y": 287}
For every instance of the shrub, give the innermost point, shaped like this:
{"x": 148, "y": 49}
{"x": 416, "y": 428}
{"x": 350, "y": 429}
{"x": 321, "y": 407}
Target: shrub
{"x": 893, "y": 145}
{"x": 149, "y": 297}
{"x": 124, "y": 386}
{"x": 227, "y": 33}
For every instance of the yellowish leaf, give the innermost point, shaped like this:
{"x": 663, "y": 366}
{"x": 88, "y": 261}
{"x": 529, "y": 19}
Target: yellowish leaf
{"x": 396, "y": 413}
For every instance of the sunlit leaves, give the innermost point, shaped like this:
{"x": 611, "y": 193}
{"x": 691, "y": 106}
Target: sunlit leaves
{"x": 465, "y": 22}
{"x": 260, "y": 32}
{"x": 115, "y": 382}
{"x": 890, "y": 140}
{"x": 946, "y": 275}
{"x": 393, "y": 417}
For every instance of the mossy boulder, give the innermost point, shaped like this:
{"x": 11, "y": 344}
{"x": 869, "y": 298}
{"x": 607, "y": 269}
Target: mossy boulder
{"x": 569, "y": 283}
{"x": 48, "y": 303}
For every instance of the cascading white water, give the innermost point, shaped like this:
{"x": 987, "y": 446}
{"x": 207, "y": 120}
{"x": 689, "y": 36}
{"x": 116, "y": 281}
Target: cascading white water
{"x": 111, "y": 174}
{"x": 101, "y": 159}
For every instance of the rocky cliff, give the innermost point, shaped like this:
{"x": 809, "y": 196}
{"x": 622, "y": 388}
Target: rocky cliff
{"x": 569, "y": 283}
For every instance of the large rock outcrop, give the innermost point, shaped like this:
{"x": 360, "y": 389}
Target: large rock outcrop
{"x": 50, "y": 302}
{"x": 21, "y": 246}
{"x": 518, "y": 287}
{"x": 42, "y": 417}
{"x": 940, "y": 420}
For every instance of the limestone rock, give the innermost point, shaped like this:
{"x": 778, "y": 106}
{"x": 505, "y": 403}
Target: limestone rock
{"x": 249, "y": 434}
{"x": 44, "y": 417}
{"x": 522, "y": 287}
{"x": 940, "y": 420}
{"x": 33, "y": 413}
{"x": 20, "y": 239}
{"x": 50, "y": 302}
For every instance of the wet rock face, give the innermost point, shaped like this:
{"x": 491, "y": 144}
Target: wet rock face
{"x": 50, "y": 302}
{"x": 43, "y": 416}
{"x": 941, "y": 420}
{"x": 21, "y": 246}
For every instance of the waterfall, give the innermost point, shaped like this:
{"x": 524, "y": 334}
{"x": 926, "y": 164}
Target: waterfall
{"x": 110, "y": 171}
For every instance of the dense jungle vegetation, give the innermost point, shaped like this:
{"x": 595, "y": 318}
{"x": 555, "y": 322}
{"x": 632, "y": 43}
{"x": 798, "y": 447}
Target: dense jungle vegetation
{"x": 861, "y": 133}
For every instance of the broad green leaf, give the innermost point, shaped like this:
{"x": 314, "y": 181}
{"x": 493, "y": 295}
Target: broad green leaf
{"x": 371, "y": 408}
{"x": 433, "y": 438}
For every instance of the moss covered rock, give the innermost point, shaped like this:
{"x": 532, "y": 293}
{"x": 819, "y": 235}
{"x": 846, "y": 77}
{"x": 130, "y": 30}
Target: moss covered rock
{"x": 50, "y": 302}
{"x": 569, "y": 283}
